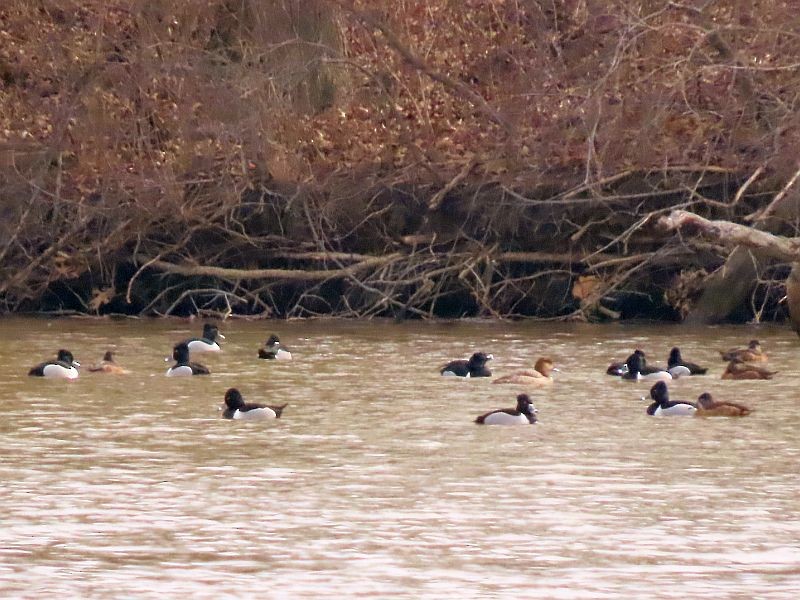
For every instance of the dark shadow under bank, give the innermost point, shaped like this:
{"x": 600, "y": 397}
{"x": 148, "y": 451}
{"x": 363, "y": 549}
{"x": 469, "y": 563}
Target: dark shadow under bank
{"x": 362, "y": 253}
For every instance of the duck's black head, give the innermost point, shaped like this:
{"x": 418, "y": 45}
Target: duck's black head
{"x": 754, "y": 345}
{"x": 635, "y": 362}
{"x": 273, "y": 340}
{"x": 66, "y": 356}
{"x": 233, "y": 399}
{"x": 181, "y": 353}
{"x": 479, "y": 359}
{"x": 109, "y": 356}
{"x": 210, "y": 332}
{"x": 525, "y": 406}
{"x": 674, "y": 356}
{"x": 659, "y": 392}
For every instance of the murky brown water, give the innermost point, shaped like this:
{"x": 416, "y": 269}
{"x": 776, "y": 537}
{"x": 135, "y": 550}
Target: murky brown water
{"x": 377, "y": 483}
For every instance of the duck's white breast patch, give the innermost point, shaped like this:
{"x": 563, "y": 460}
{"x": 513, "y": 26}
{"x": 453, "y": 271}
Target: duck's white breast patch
{"x": 255, "y": 414}
{"x": 59, "y": 372}
{"x": 181, "y": 371}
{"x": 201, "y": 346}
{"x": 676, "y": 411}
{"x": 502, "y": 418}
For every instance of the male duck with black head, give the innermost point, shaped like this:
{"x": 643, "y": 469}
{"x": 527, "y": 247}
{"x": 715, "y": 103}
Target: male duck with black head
{"x": 637, "y": 369}
{"x": 207, "y": 342}
{"x": 675, "y": 360}
{"x": 63, "y": 367}
{"x": 474, "y": 367}
{"x": 183, "y": 367}
{"x": 237, "y": 408}
{"x": 523, "y": 414}
{"x": 273, "y": 350}
{"x": 662, "y": 406}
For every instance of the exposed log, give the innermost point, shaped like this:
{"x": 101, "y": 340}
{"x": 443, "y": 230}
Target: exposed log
{"x": 732, "y": 234}
{"x": 744, "y": 238}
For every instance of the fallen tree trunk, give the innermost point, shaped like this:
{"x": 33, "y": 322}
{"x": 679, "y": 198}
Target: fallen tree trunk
{"x": 745, "y": 237}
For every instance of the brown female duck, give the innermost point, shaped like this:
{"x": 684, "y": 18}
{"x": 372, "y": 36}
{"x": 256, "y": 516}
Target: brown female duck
{"x": 540, "y": 375}
{"x": 738, "y": 369}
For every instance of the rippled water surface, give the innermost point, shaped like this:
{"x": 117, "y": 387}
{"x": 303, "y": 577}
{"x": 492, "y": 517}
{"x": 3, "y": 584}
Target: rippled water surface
{"x": 376, "y": 482}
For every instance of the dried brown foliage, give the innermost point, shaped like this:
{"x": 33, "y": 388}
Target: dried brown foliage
{"x": 369, "y": 158}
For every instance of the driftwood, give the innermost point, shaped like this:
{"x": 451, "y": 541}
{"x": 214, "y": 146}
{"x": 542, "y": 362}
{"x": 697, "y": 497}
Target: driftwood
{"x": 743, "y": 236}
{"x": 733, "y": 234}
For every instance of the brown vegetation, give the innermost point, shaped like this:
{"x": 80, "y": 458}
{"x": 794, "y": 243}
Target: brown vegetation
{"x": 389, "y": 158}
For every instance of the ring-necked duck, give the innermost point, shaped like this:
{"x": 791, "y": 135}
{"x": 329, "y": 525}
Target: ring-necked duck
{"x": 272, "y": 350}
{"x": 663, "y": 406}
{"x": 539, "y": 376}
{"x": 708, "y": 407}
{"x": 207, "y": 342}
{"x": 753, "y": 353}
{"x": 637, "y": 369}
{"x": 182, "y": 365}
{"x": 675, "y": 360}
{"x": 108, "y": 365}
{"x": 617, "y": 369}
{"x": 474, "y": 367}
{"x": 237, "y": 408}
{"x": 738, "y": 369}
{"x": 64, "y": 367}
{"x": 524, "y": 414}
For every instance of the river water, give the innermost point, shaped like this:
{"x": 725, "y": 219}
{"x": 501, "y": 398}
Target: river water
{"x": 377, "y": 483}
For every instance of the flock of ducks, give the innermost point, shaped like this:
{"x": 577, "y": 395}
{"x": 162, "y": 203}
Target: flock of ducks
{"x": 66, "y": 367}
{"x": 635, "y": 368}
{"x": 741, "y": 365}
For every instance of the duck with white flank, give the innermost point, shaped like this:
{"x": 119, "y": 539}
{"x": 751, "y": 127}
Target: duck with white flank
{"x": 207, "y": 342}
{"x": 237, "y": 408}
{"x": 474, "y": 367}
{"x": 662, "y": 406}
{"x": 523, "y": 414}
{"x": 64, "y": 367}
{"x": 182, "y": 366}
{"x": 273, "y": 350}
{"x": 637, "y": 369}
{"x": 676, "y": 360}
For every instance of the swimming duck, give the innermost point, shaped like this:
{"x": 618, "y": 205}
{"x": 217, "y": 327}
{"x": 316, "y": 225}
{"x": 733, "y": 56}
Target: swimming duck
{"x": 237, "y": 408}
{"x": 538, "y": 376}
{"x": 524, "y": 414}
{"x": 617, "y": 369}
{"x": 663, "y": 406}
{"x": 273, "y": 351}
{"x": 738, "y": 369}
{"x": 64, "y": 367}
{"x": 637, "y": 369}
{"x": 708, "y": 407}
{"x": 182, "y": 365}
{"x": 108, "y": 365}
{"x": 675, "y": 360}
{"x": 208, "y": 341}
{"x": 474, "y": 367}
{"x": 753, "y": 353}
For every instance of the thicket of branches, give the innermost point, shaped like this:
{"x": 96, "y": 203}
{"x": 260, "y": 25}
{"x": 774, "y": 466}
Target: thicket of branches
{"x": 399, "y": 158}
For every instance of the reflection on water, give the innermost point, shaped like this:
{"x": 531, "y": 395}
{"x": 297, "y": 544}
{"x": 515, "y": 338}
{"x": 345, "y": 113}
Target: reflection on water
{"x": 376, "y": 482}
